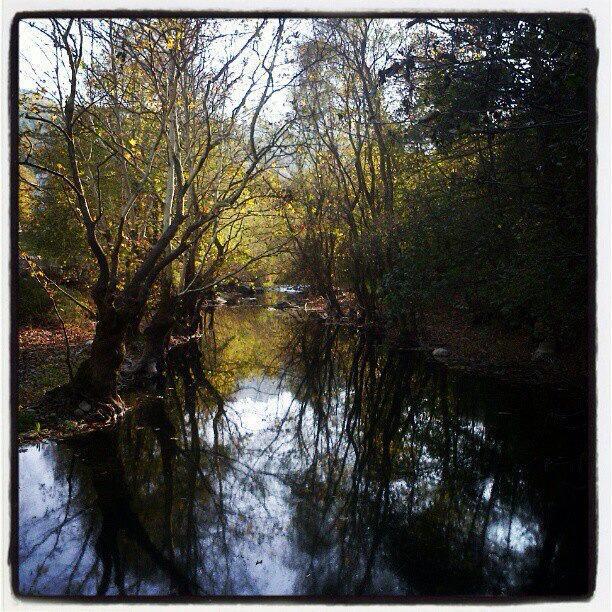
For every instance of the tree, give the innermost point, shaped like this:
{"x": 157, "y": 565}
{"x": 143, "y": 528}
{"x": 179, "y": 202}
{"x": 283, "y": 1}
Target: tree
{"x": 155, "y": 98}
{"x": 497, "y": 205}
{"x": 346, "y": 157}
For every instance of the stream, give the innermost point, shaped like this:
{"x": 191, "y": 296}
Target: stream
{"x": 288, "y": 457}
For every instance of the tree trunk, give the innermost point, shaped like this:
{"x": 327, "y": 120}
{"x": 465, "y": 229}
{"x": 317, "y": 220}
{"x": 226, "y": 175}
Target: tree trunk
{"x": 157, "y": 338}
{"x": 191, "y": 321}
{"x": 132, "y": 333}
{"x": 94, "y": 390}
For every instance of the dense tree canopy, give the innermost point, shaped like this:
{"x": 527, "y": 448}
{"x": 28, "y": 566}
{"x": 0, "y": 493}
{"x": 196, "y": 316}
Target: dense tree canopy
{"x": 414, "y": 164}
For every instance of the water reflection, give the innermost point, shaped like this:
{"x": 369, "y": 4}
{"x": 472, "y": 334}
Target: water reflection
{"x": 287, "y": 457}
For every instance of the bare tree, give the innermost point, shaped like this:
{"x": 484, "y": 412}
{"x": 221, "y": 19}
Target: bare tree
{"x": 344, "y": 142}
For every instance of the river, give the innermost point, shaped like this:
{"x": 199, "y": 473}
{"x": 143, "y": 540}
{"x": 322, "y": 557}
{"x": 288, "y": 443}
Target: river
{"x": 287, "y": 457}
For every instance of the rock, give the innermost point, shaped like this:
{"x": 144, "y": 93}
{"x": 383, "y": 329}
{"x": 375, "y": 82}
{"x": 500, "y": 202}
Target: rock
{"x": 282, "y": 305}
{"x": 84, "y": 407}
{"x": 545, "y": 352}
{"x": 440, "y": 353}
{"x": 228, "y": 287}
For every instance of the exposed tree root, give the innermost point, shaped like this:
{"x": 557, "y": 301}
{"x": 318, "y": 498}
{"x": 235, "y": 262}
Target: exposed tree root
{"x": 65, "y": 404}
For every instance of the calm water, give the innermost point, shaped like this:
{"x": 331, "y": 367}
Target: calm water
{"x": 284, "y": 457}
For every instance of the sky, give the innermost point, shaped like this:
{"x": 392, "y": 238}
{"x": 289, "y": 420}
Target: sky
{"x": 37, "y": 66}
{"x": 36, "y": 57}
{"x": 31, "y": 56}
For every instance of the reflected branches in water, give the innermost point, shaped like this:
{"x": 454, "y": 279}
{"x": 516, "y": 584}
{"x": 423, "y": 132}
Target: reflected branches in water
{"x": 290, "y": 457}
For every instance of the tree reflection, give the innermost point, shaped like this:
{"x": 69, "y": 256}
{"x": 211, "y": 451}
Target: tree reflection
{"x": 314, "y": 460}
{"x": 411, "y": 470}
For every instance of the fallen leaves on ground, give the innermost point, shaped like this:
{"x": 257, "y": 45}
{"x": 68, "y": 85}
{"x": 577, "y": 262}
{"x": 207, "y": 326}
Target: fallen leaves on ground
{"x": 42, "y": 357}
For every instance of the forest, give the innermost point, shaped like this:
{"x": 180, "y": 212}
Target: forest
{"x": 304, "y": 305}
{"x": 417, "y": 176}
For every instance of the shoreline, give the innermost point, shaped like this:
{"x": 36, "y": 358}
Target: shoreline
{"x": 33, "y": 427}
{"x": 462, "y": 352}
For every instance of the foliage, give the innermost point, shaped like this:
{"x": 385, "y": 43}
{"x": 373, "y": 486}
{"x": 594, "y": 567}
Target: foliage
{"x": 497, "y": 207}
{"x": 421, "y": 163}
{"x": 445, "y": 164}
{"x": 35, "y": 306}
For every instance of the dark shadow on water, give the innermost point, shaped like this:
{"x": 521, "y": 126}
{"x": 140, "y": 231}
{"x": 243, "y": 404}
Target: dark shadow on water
{"x": 285, "y": 457}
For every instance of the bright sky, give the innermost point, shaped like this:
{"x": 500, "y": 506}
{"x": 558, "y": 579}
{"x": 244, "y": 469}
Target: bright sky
{"x": 31, "y": 56}
{"x": 36, "y": 58}
{"x": 37, "y": 64}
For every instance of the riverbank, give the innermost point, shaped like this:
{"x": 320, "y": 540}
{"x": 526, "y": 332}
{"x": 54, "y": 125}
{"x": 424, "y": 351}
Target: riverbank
{"x": 42, "y": 366}
{"x": 489, "y": 350}
{"x": 494, "y": 351}
{"x": 448, "y": 338}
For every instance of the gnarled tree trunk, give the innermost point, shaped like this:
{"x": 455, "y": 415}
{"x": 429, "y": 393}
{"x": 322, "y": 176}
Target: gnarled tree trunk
{"x": 156, "y": 336}
{"x": 97, "y": 377}
{"x": 93, "y": 392}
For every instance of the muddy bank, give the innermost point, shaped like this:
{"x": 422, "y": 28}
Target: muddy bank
{"x": 493, "y": 351}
